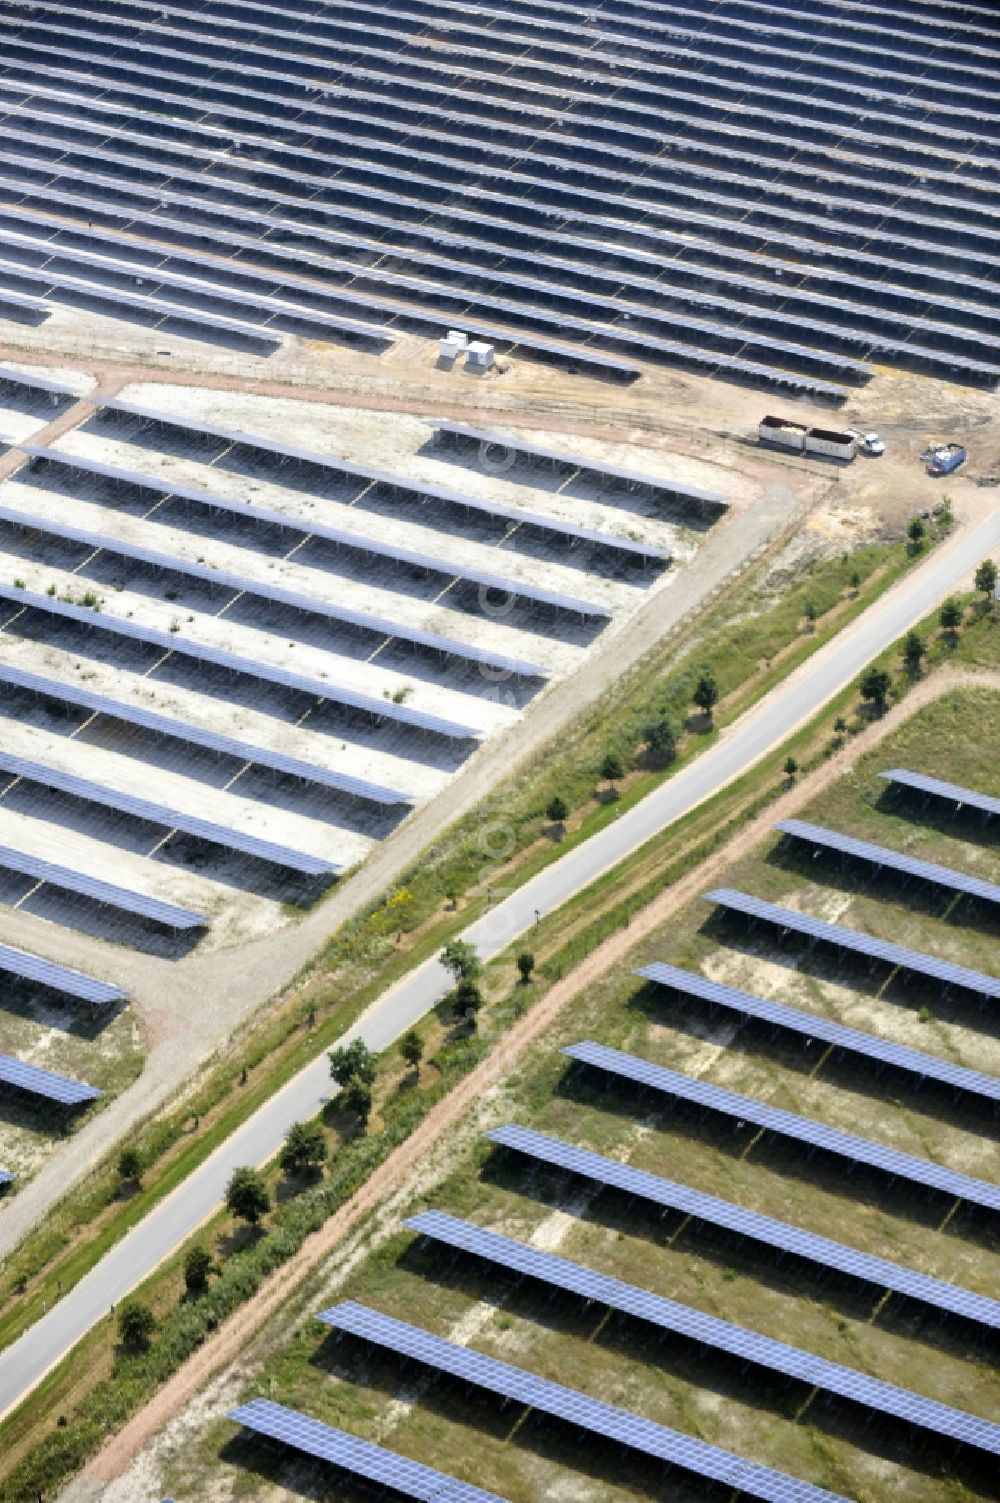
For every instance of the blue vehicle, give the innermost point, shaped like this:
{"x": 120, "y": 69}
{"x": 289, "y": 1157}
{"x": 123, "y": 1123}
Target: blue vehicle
{"x": 945, "y": 459}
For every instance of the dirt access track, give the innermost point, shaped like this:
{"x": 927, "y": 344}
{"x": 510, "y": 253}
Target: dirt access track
{"x": 226, "y": 1346}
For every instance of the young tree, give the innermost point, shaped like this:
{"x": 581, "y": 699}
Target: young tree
{"x": 706, "y": 693}
{"x": 356, "y": 1098}
{"x": 950, "y": 617}
{"x": 197, "y": 1267}
{"x": 411, "y": 1047}
{"x": 840, "y": 725}
{"x": 462, "y": 960}
{"x": 916, "y": 532}
{"x": 304, "y": 1148}
{"x": 986, "y": 580}
{"x": 356, "y": 1059}
{"x": 661, "y": 739}
{"x": 855, "y": 581}
{"x": 525, "y": 965}
{"x": 810, "y": 612}
{"x": 246, "y": 1196}
{"x": 130, "y": 1165}
{"x": 468, "y": 1000}
{"x": 611, "y": 768}
{"x": 136, "y": 1324}
{"x": 913, "y": 651}
{"x": 791, "y": 767}
{"x": 557, "y": 810}
{"x": 874, "y": 686}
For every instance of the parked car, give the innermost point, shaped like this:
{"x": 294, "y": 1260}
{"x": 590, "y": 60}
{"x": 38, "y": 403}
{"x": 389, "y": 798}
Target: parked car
{"x": 869, "y": 443}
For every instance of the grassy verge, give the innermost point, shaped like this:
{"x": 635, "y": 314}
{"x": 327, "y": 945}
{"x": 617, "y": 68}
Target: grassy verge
{"x": 43, "y": 1455}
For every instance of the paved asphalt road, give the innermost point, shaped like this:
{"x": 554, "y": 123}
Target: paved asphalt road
{"x": 24, "y": 1363}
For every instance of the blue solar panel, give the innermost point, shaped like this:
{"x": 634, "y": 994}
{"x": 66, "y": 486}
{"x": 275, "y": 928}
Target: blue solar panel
{"x": 173, "y": 819}
{"x": 58, "y": 1088}
{"x": 914, "y": 1061}
{"x": 359, "y": 541}
{"x": 881, "y": 856}
{"x": 228, "y": 746}
{"x": 802, "y": 1129}
{"x": 6, "y": 1178}
{"x": 855, "y": 940}
{"x": 938, "y": 789}
{"x": 780, "y": 1236}
{"x": 310, "y": 604}
{"x": 721, "y": 1335}
{"x": 201, "y": 653}
{"x": 591, "y": 1416}
{"x": 10, "y": 299}
{"x": 31, "y": 382}
{"x": 57, "y": 977}
{"x": 420, "y": 491}
{"x": 361, "y": 1458}
{"x": 101, "y": 892}
{"x": 664, "y": 490}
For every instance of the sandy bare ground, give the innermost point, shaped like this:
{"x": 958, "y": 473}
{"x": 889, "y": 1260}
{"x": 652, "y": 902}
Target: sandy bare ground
{"x": 226, "y": 1345}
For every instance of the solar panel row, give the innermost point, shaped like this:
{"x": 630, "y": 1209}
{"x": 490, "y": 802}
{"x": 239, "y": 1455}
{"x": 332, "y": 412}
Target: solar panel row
{"x": 662, "y": 490}
{"x": 802, "y": 1129}
{"x": 779, "y": 1236}
{"x": 106, "y": 893}
{"x": 360, "y": 1458}
{"x": 936, "y": 788}
{"x": 195, "y": 735}
{"x": 38, "y": 1082}
{"x": 319, "y": 688}
{"x": 856, "y": 941}
{"x": 720, "y": 1335}
{"x": 306, "y": 528}
{"x": 58, "y": 978}
{"x": 853, "y": 1040}
{"x": 172, "y": 819}
{"x": 880, "y": 856}
{"x": 11, "y": 376}
{"x": 594, "y": 1418}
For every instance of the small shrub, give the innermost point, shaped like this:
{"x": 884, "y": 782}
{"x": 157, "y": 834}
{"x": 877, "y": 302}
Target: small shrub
{"x": 197, "y": 1267}
{"x": 525, "y": 966}
{"x": 136, "y": 1324}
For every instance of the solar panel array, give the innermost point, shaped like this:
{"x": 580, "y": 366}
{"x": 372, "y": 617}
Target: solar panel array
{"x": 880, "y": 856}
{"x": 858, "y": 942}
{"x": 574, "y": 466}
{"x": 159, "y": 814}
{"x": 181, "y": 730}
{"x": 852, "y": 1040}
{"x": 745, "y": 193}
{"x": 779, "y": 1236}
{"x": 418, "y": 491}
{"x": 720, "y": 1335}
{"x": 346, "y": 538}
{"x": 594, "y": 1418}
{"x": 38, "y": 1082}
{"x": 201, "y": 652}
{"x": 936, "y": 788}
{"x": 361, "y": 1458}
{"x": 170, "y": 915}
{"x": 6, "y": 1178}
{"x": 58, "y": 978}
{"x": 745, "y": 1109}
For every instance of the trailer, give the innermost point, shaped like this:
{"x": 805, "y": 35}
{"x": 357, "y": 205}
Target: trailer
{"x": 775, "y": 430}
{"x": 803, "y": 440}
